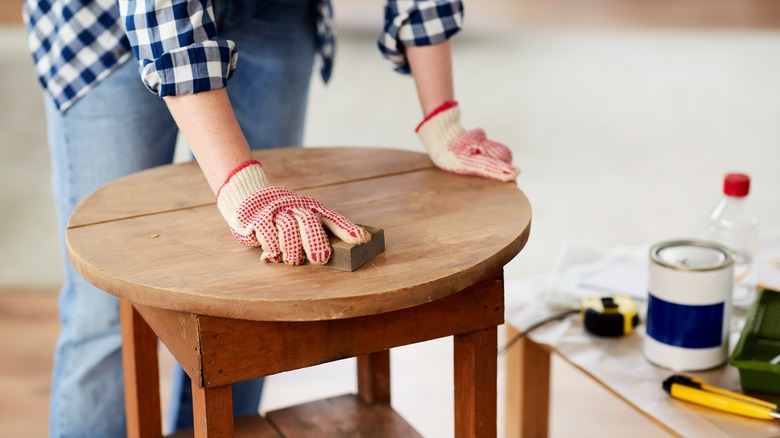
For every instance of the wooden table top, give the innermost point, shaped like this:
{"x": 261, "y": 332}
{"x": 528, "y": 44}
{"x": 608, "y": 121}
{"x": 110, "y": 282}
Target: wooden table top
{"x": 157, "y": 238}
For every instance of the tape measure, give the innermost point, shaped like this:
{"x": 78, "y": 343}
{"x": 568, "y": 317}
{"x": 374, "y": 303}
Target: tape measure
{"x": 609, "y": 316}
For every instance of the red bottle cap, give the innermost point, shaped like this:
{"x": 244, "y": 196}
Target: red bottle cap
{"x": 736, "y": 185}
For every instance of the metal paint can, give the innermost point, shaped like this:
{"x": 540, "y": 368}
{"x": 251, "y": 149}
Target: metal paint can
{"x": 689, "y": 304}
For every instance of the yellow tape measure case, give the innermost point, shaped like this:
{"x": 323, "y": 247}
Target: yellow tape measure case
{"x": 609, "y": 316}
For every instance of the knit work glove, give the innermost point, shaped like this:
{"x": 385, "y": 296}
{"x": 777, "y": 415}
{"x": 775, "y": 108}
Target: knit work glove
{"x": 287, "y": 226}
{"x": 456, "y": 150}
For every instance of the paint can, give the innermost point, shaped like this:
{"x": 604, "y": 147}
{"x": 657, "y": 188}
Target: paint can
{"x": 689, "y": 304}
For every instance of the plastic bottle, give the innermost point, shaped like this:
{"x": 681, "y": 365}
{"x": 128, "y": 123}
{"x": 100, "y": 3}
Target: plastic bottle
{"x": 734, "y": 223}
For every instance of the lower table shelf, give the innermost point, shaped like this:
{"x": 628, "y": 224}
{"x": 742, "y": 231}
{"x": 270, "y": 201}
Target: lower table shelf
{"x": 342, "y": 416}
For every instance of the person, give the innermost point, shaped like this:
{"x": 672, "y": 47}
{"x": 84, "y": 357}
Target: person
{"x": 104, "y": 123}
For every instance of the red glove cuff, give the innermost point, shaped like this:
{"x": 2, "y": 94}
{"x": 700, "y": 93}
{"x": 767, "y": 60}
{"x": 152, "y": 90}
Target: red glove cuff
{"x": 234, "y": 172}
{"x": 441, "y": 108}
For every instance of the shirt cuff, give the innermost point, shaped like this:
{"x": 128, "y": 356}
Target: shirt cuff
{"x": 198, "y": 67}
{"x": 417, "y": 23}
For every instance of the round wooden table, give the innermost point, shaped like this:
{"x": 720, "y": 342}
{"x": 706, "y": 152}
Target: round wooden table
{"x": 156, "y": 240}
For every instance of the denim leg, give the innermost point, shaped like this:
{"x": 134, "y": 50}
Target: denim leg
{"x": 268, "y": 92}
{"x": 116, "y": 129}
{"x": 270, "y": 87}
{"x": 119, "y": 128}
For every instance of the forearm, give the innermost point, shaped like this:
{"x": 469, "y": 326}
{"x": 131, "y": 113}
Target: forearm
{"x": 190, "y": 72}
{"x": 210, "y": 127}
{"x": 287, "y": 226}
{"x": 432, "y": 71}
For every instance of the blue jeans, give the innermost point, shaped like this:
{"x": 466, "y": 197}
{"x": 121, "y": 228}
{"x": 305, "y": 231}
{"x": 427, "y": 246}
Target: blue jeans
{"x": 118, "y": 128}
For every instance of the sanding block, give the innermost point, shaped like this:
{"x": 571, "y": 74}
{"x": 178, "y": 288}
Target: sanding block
{"x": 346, "y": 257}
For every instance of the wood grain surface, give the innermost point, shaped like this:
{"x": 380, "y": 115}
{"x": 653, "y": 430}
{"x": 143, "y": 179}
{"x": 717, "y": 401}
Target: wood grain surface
{"x": 156, "y": 237}
{"x": 342, "y": 416}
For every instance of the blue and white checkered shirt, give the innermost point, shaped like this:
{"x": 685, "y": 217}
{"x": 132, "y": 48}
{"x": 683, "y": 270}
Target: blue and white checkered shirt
{"x": 417, "y": 23}
{"x": 77, "y": 43}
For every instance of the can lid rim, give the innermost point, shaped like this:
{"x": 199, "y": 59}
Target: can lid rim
{"x": 655, "y": 249}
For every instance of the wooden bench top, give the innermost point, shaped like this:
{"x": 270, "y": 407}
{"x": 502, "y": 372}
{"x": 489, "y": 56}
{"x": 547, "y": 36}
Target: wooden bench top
{"x": 157, "y": 238}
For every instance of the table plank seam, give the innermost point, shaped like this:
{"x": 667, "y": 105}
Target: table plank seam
{"x": 210, "y": 204}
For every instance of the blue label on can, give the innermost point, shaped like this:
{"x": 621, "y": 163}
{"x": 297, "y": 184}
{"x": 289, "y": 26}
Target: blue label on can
{"x": 683, "y": 325}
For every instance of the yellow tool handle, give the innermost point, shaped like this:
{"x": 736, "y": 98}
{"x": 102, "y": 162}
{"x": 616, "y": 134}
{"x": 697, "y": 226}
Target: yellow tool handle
{"x": 720, "y": 402}
{"x": 735, "y": 395}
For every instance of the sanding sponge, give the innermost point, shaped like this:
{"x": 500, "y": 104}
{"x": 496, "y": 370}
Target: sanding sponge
{"x": 346, "y": 257}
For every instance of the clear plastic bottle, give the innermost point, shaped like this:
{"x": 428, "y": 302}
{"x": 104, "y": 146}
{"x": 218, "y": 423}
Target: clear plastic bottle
{"x": 734, "y": 223}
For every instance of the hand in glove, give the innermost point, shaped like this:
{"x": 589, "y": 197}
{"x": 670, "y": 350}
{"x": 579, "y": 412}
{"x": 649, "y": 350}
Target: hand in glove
{"x": 456, "y": 150}
{"x": 287, "y": 226}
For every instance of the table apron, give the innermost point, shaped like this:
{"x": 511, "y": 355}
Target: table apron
{"x": 217, "y": 351}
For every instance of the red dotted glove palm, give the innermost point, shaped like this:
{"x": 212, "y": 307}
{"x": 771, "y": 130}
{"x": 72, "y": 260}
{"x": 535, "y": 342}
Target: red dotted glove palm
{"x": 456, "y": 150}
{"x": 286, "y": 225}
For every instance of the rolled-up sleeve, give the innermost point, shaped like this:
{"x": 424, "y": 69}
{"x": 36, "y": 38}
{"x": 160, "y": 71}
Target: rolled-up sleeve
{"x": 176, "y": 44}
{"x": 417, "y": 23}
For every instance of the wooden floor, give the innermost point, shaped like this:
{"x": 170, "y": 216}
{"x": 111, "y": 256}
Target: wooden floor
{"x": 28, "y": 332}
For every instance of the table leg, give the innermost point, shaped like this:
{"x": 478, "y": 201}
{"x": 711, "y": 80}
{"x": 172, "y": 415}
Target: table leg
{"x": 212, "y": 411}
{"x": 527, "y": 388}
{"x": 373, "y": 372}
{"x": 476, "y": 383}
{"x": 141, "y": 373}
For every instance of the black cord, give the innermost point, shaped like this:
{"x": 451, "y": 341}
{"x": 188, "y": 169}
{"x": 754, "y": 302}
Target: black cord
{"x": 535, "y": 326}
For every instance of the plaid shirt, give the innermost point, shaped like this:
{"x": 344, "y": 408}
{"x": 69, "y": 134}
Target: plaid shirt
{"x": 77, "y": 43}
{"x": 417, "y": 23}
